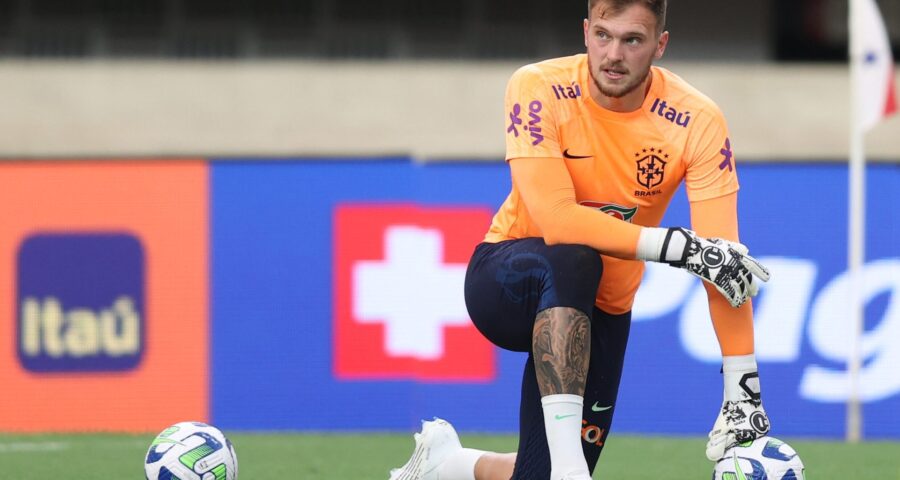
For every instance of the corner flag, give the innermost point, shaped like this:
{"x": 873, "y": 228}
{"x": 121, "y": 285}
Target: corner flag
{"x": 872, "y": 98}
{"x": 872, "y": 65}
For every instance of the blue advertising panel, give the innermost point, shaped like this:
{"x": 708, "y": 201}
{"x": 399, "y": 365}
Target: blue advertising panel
{"x": 336, "y": 303}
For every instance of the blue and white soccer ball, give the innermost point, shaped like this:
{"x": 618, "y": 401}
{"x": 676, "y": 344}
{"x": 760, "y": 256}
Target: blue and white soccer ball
{"x": 766, "y": 458}
{"x": 191, "y": 451}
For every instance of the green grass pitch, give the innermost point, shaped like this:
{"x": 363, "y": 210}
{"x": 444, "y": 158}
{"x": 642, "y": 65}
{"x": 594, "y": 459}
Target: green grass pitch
{"x": 371, "y": 456}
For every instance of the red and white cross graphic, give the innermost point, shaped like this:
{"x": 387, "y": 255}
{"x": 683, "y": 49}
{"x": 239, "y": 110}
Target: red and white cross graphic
{"x": 399, "y": 310}
{"x": 412, "y": 292}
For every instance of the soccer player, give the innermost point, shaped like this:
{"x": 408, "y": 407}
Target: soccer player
{"x": 597, "y": 144}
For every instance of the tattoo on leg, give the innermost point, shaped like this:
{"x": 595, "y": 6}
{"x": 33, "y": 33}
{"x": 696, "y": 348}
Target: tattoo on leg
{"x": 561, "y": 348}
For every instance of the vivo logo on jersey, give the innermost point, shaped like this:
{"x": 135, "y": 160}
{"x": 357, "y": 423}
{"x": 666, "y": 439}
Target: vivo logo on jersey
{"x": 534, "y": 121}
{"x": 661, "y": 108}
{"x": 727, "y": 156}
{"x": 570, "y": 91}
{"x": 80, "y": 302}
{"x": 399, "y": 306}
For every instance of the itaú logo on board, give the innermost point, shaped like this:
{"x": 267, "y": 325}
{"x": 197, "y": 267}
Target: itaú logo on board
{"x": 790, "y": 315}
{"x": 399, "y": 306}
{"x": 80, "y": 302}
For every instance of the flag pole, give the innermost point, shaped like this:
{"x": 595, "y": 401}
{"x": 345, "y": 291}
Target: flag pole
{"x": 856, "y": 237}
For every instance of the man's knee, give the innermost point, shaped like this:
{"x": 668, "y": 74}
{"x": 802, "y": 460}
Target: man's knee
{"x": 579, "y": 263}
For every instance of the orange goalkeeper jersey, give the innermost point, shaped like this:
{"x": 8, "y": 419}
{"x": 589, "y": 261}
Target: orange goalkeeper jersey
{"x": 627, "y": 165}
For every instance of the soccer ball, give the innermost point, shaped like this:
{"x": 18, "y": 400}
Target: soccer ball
{"x": 191, "y": 451}
{"x": 766, "y": 458}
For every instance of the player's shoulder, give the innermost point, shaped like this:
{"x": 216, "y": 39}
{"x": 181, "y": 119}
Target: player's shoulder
{"x": 678, "y": 93}
{"x": 560, "y": 70}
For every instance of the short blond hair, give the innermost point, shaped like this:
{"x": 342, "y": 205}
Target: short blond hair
{"x": 656, "y": 7}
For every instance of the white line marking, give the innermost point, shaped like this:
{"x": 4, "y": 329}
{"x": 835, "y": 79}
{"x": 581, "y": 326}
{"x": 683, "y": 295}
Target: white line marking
{"x": 17, "y": 447}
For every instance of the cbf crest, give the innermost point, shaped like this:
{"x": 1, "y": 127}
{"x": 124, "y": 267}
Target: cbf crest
{"x": 651, "y": 168}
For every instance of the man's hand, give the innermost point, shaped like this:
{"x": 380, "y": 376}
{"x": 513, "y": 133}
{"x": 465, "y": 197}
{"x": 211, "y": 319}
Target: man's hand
{"x": 742, "y": 417}
{"x": 720, "y": 262}
{"x": 738, "y": 422}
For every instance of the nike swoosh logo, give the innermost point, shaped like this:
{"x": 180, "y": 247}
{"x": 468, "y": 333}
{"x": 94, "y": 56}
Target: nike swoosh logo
{"x": 569, "y": 155}
{"x": 597, "y": 408}
{"x": 560, "y": 417}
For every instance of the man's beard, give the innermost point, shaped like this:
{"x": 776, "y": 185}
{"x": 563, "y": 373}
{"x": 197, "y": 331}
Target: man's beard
{"x": 618, "y": 92}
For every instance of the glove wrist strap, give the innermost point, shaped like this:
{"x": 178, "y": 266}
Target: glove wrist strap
{"x": 662, "y": 245}
{"x": 741, "y": 377}
{"x": 650, "y": 243}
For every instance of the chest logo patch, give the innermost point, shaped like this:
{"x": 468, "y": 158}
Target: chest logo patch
{"x": 651, "y": 167}
{"x": 612, "y": 209}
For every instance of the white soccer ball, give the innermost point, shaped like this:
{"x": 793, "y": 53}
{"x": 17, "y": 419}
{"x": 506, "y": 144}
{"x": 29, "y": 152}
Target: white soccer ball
{"x": 766, "y": 458}
{"x": 191, "y": 451}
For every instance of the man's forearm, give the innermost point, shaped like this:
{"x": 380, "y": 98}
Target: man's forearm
{"x": 733, "y": 326}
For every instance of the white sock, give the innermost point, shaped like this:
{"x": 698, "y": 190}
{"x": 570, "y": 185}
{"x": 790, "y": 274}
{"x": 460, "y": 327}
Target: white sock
{"x": 562, "y": 421}
{"x": 734, "y": 368}
{"x": 460, "y": 465}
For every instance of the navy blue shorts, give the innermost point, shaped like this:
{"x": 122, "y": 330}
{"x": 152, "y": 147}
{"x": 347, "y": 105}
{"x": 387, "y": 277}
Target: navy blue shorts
{"x": 507, "y": 284}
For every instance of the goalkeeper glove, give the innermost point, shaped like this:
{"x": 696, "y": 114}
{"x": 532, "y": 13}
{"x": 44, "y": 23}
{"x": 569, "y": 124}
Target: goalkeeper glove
{"x": 720, "y": 262}
{"x": 742, "y": 417}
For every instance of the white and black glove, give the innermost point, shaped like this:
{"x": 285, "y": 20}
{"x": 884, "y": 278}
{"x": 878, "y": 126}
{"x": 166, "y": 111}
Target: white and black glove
{"x": 722, "y": 263}
{"x": 742, "y": 417}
